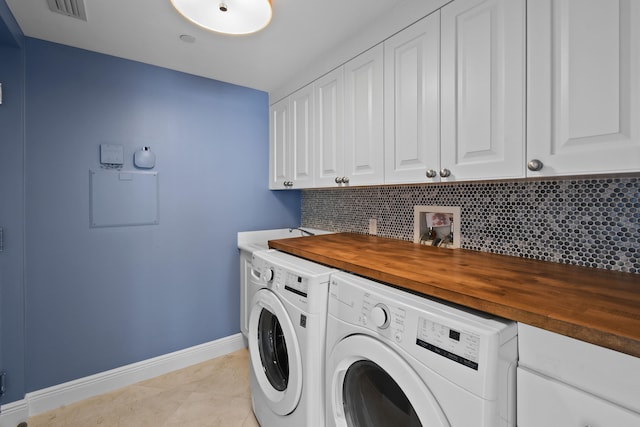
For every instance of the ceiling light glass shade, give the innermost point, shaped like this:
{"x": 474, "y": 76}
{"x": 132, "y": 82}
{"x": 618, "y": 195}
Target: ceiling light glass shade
{"x": 226, "y": 16}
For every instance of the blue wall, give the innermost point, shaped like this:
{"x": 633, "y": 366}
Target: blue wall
{"x": 99, "y": 298}
{"x": 12, "y": 204}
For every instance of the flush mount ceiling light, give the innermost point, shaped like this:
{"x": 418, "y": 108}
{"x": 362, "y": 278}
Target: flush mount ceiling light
{"x": 226, "y": 16}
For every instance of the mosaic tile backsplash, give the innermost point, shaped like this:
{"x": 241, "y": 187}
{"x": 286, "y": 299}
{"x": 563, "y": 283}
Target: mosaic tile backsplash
{"x": 587, "y": 222}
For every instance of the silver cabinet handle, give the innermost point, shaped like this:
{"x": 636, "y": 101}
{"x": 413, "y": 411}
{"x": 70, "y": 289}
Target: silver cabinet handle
{"x": 345, "y": 179}
{"x": 431, "y": 173}
{"x": 338, "y": 180}
{"x": 445, "y": 172}
{"x": 535, "y": 165}
{"x": 288, "y": 183}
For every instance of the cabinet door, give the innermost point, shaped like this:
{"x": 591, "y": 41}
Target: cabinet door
{"x": 412, "y": 102}
{"x": 279, "y": 151}
{"x": 543, "y": 401}
{"x": 329, "y": 128}
{"x": 301, "y": 104}
{"x": 364, "y": 125}
{"x": 584, "y": 86}
{"x": 483, "y": 53}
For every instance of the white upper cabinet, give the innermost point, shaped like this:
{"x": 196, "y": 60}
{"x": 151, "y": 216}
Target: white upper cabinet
{"x": 279, "y": 163}
{"x": 329, "y": 128}
{"x": 291, "y": 140}
{"x": 364, "y": 138}
{"x": 302, "y": 137}
{"x": 483, "y": 88}
{"x": 412, "y": 103}
{"x": 583, "y": 86}
{"x": 448, "y": 99}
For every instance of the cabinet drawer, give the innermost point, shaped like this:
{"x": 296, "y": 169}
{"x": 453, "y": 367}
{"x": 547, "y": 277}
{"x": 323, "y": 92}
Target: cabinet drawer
{"x": 608, "y": 374}
{"x": 545, "y": 402}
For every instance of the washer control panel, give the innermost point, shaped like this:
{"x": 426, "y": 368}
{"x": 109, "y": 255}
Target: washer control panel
{"x": 474, "y": 350}
{"x": 300, "y": 282}
{"x": 386, "y": 317}
{"x": 459, "y": 346}
{"x": 297, "y": 284}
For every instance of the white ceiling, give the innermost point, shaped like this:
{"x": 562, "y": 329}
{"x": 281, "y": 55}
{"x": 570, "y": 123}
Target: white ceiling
{"x": 148, "y": 31}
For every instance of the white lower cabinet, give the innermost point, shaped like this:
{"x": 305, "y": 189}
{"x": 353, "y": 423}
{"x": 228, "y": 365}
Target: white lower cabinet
{"x": 566, "y": 382}
{"x": 543, "y": 401}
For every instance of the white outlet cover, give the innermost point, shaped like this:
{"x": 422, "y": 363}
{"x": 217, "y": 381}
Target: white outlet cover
{"x": 111, "y": 154}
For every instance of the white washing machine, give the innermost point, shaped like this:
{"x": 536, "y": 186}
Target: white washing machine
{"x": 399, "y": 359}
{"x": 250, "y": 242}
{"x": 287, "y": 326}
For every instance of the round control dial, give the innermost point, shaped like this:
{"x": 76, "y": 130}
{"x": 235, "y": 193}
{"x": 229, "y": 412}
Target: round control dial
{"x": 268, "y": 274}
{"x": 380, "y": 316}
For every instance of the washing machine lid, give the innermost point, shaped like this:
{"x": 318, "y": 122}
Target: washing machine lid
{"x": 275, "y": 354}
{"x": 367, "y": 381}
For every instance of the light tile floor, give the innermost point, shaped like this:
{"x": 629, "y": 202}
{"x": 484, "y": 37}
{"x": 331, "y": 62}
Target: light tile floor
{"x": 210, "y": 394}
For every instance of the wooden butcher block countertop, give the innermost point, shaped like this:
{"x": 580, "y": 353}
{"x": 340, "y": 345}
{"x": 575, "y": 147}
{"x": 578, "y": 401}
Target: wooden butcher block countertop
{"x": 594, "y": 305}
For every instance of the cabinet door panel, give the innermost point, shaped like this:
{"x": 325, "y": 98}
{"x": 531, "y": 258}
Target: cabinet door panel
{"x": 584, "y": 86}
{"x": 412, "y": 102}
{"x": 364, "y": 118}
{"x": 279, "y": 140}
{"x": 329, "y": 128}
{"x": 302, "y": 137}
{"x": 546, "y": 402}
{"x": 483, "y": 89}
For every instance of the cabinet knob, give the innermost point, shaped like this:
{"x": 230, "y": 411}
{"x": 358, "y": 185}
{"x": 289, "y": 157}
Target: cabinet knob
{"x": 444, "y": 172}
{"x": 431, "y": 173}
{"x": 535, "y": 165}
{"x": 345, "y": 179}
{"x": 338, "y": 180}
{"x": 288, "y": 183}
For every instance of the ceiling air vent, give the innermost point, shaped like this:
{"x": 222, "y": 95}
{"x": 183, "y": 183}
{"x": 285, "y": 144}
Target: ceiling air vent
{"x": 73, "y": 8}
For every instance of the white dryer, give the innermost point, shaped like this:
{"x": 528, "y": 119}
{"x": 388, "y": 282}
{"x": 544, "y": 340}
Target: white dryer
{"x": 287, "y": 326}
{"x": 399, "y": 359}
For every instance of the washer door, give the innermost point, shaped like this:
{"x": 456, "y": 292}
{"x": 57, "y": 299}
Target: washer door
{"x": 275, "y": 353}
{"x": 370, "y": 385}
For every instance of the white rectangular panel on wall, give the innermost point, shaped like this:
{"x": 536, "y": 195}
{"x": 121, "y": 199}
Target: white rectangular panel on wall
{"x": 120, "y": 198}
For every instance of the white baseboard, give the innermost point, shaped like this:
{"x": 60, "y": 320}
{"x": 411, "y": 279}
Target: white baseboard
{"x": 14, "y": 413}
{"x": 53, "y": 397}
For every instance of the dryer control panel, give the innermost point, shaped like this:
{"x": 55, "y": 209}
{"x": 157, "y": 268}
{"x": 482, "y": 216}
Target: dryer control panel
{"x": 459, "y": 346}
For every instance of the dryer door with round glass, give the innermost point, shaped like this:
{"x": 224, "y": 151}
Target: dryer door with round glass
{"x": 275, "y": 354}
{"x": 370, "y": 385}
